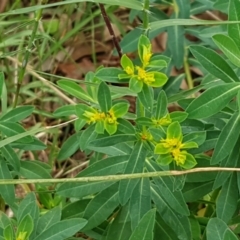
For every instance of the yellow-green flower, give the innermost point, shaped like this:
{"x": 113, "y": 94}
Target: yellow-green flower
{"x": 173, "y": 149}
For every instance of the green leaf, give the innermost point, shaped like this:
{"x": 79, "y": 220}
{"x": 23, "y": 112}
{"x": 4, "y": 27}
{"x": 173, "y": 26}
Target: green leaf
{"x": 197, "y": 137}
{"x": 17, "y": 114}
{"x": 165, "y": 184}
{"x": 174, "y": 131}
{"x": 126, "y": 62}
{"x": 62, "y": 230}
{"x": 234, "y": 15}
{"x": 195, "y": 191}
{"x": 178, "y": 116}
{"x": 161, "y": 106}
{"x": 65, "y": 111}
{"x": 231, "y": 161}
{"x": 175, "y": 44}
{"x": 48, "y": 219}
{"x": 190, "y": 161}
{"x": 25, "y": 227}
{"x": 69, "y": 147}
{"x": 144, "y": 229}
{"x": 35, "y": 145}
{"x": 110, "y": 75}
{"x": 113, "y": 140}
{"x": 227, "y": 201}
{"x": 75, "y": 209}
{"x": 35, "y": 170}
{"x": 133, "y": 5}
{"x": 135, "y": 85}
{"x": 195, "y": 226}
{"x": 88, "y": 135}
{"x": 8, "y": 233}
{"x": 111, "y": 128}
{"x": 11, "y": 157}
{"x": 6, "y": 191}
{"x": 125, "y": 126}
{"x": 163, "y": 230}
{"x": 143, "y": 42}
{"x": 227, "y": 139}
{"x": 120, "y": 109}
{"x": 11, "y": 129}
{"x": 228, "y": 47}
{"x": 101, "y": 206}
{"x": 216, "y": 229}
{"x": 108, "y": 166}
{"x": 116, "y": 150}
{"x": 135, "y": 165}
{"x": 120, "y": 227}
{"x": 146, "y": 97}
{"x": 229, "y": 235}
{"x": 28, "y": 206}
{"x": 214, "y": 64}
{"x": 74, "y": 89}
{"x": 212, "y": 100}
{"x": 140, "y": 201}
{"x": 160, "y": 79}
{"x": 178, "y": 223}
{"x": 104, "y": 97}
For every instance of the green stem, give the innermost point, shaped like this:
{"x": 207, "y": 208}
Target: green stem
{"x": 110, "y": 178}
{"x": 146, "y": 17}
{"x": 187, "y": 72}
{"x": 27, "y": 53}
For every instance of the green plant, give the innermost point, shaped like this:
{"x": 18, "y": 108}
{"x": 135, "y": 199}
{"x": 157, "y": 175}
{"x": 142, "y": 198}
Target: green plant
{"x": 138, "y": 184}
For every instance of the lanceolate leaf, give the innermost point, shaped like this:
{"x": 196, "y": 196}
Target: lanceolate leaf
{"x": 179, "y": 224}
{"x": 216, "y": 229}
{"x": 109, "y": 166}
{"x": 228, "y": 199}
{"x": 146, "y": 97}
{"x": 135, "y": 165}
{"x": 229, "y": 235}
{"x": 140, "y": 201}
{"x": 74, "y": 89}
{"x": 165, "y": 184}
{"x": 234, "y": 15}
{"x": 228, "y": 47}
{"x": 104, "y": 97}
{"x": 214, "y": 64}
{"x": 6, "y": 191}
{"x": 120, "y": 228}
{"x": 176, "y": 44}
{"x": 231, "y": 161}
{"x": 62, "y": 230}
{"x": 11, "y": 157}
{"x": 161, "y": 107}
{"x": 227, "y": 139}
{"x": 112, "y": 140}
{"x": 212, "y": 100}
{"x": 101, "y": 206}
{"x": 144, "y": 230}
{"x": 17, "y": 114}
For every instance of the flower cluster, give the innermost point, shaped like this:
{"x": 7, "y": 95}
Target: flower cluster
{"x": 104, "y": 121}
{"x": 143, "y": 74}
{"x": 173, "y": 149}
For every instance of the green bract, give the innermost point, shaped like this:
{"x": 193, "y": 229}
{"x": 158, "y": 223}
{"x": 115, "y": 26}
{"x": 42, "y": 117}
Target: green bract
{"x": 140, "y": 75}
{"x": 172, "y": 148}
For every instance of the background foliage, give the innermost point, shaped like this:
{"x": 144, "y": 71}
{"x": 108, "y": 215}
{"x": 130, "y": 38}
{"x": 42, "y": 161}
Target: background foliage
{"x": 143, "y": 112}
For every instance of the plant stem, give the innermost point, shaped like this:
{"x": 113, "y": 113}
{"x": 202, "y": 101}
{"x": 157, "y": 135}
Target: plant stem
{"x": 110, "y": 178}
{"x": 146, "y": 17}
{"x": 27, "y": 53}
{"x": 187, "y": 72}
{"x": 110, "y": 29}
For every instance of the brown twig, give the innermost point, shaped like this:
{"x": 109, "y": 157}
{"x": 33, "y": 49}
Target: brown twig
{"x": 110, "y": 29}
